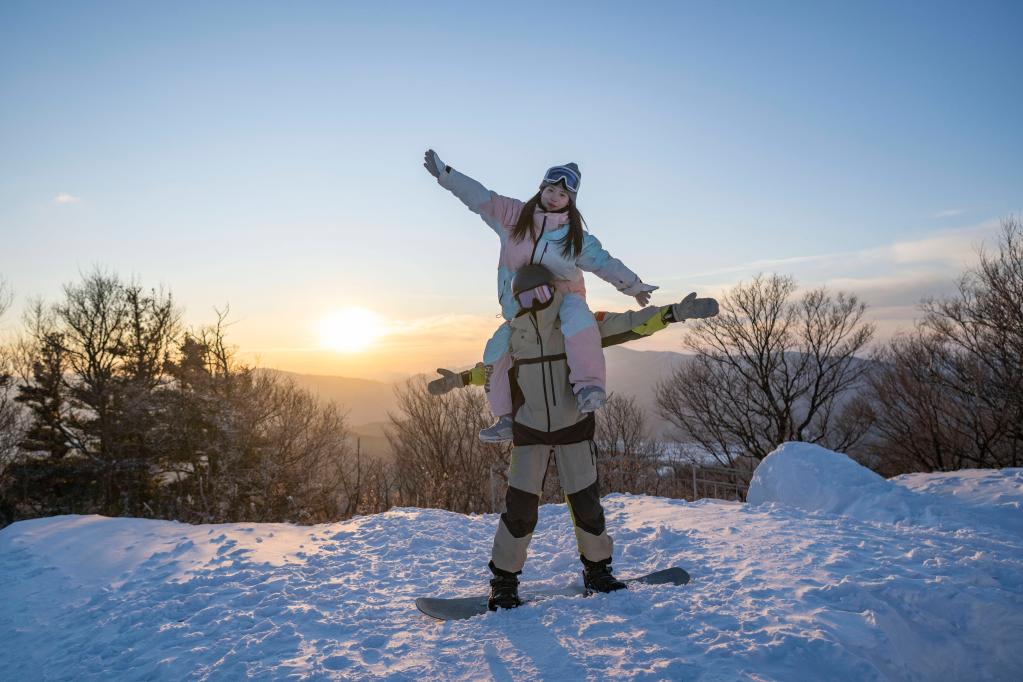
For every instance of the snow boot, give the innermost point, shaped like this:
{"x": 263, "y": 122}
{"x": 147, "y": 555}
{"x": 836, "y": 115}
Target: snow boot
{"x": 591, "y": 398}
{"x": 597, "y": 577}
{"x": 504, "y": 590}
{"x": 498, "y": 432}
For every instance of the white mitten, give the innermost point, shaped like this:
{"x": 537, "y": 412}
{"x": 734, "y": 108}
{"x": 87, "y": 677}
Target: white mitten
{"x": 432, "y": 163}
{"x": 641, "y": 291}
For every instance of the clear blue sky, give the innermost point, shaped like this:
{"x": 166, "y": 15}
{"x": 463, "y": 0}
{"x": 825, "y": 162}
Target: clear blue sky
{"x": 267, "y": 155}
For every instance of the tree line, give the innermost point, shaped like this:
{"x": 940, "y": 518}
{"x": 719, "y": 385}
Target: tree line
{"x": 109, "y": 405}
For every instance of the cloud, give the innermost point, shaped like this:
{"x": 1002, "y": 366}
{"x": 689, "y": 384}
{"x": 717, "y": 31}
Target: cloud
{"x": 948, "y": 213}
{"x": 955, "y": 248}
{"x": 65, "y": 198}
{"x": 899, "y": 290}
{"x": 947, "y": 251}
{"x": 891, "y": 278}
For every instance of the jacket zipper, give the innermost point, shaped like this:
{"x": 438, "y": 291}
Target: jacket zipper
{"x": 543, "y": 374}
{"x": 549, "y": 369}
{"x": 536, "y": 242}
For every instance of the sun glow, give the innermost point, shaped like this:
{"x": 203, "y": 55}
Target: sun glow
{"x": 349, "y": 330}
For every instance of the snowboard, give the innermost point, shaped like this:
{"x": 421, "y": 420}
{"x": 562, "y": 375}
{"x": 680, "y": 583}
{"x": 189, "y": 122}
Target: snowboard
{"x": 467, "y": 607}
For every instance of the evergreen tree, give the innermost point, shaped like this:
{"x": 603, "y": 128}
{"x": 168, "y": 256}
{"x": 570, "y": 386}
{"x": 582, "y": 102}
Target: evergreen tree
{"x": 46, "y": 399}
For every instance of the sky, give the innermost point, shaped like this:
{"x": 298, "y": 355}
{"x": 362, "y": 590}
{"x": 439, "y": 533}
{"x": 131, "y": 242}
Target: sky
{"x": 266, "y": 157}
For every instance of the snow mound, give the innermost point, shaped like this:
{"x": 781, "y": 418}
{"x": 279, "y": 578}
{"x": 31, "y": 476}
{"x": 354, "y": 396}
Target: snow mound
{"x": 815, "y": 479}
{"x": 812, "y": 478}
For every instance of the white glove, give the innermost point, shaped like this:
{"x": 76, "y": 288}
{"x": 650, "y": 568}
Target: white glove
{"x": 640, "y": 291}
{"x": 433, "y": 164}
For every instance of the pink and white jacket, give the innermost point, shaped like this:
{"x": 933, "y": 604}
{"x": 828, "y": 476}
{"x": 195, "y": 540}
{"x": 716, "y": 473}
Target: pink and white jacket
{"x": 502, "y": 213}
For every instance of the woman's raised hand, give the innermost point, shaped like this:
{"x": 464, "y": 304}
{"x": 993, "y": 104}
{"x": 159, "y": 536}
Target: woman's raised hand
{"x": 640, "y": 291}
{"x": 432, "y": 163}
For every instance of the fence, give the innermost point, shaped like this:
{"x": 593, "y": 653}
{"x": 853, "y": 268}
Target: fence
{"x": 679, "y": 480}
{"x": 715, "y": 480}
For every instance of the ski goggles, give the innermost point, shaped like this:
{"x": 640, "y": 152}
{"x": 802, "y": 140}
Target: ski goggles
{"x": 536, "y": 297}
{"x": 562, "y": 174}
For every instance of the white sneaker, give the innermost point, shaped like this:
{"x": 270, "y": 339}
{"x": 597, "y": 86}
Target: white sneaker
{"x": 498, "y": 432}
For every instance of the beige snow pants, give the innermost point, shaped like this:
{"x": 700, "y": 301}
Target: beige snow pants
{"x": 577, "y": 470}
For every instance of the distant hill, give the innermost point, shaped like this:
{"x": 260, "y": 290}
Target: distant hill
{"x": 629, "y": 372}
{"x": 364, "y": 400}
{"x": 632, "y": 373}
{"x": 635, "y": 373}
{"x": 366, "y": 403}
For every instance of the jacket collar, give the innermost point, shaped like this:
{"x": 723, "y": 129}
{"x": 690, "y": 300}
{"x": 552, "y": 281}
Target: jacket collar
{"x": 553, "y": 217}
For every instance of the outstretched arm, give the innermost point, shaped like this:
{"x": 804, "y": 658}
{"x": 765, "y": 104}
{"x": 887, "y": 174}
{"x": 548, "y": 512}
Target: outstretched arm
{"x": 499, "y": 212}
{"x": 614, "y": 328}
{"x": 618, "y": 328}
{"x": 595, "y": 258}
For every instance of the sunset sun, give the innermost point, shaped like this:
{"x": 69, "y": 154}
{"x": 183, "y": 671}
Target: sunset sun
{"x": 349, "y": 330}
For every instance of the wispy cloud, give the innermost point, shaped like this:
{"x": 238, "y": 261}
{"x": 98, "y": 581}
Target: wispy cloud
{"x": 955, "y": 248}
{"x": 949, "y": 213}
{"x": 892, "y": 278}
{"x": 943, "y": 249}
{"x": 65, "y": 198}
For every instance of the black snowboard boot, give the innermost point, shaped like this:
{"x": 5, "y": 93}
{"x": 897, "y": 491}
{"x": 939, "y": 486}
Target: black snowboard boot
{"x": 504, "y": 589}
{"x": 597, "y": 577}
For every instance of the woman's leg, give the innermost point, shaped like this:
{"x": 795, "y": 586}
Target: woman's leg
{"x": 498, "y": 361}
{"x": 582, "y": 344}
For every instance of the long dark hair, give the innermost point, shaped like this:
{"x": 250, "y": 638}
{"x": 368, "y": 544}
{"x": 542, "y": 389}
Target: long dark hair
{"x": 571, "y": 244}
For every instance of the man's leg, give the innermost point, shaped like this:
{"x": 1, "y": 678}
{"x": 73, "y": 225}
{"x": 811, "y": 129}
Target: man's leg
{"x": 577, "y": 469}
{"x": 515, "y": 529}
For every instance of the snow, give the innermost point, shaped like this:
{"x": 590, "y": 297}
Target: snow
{"x": 814, "y": 479}
{"x": 830, "y": 572}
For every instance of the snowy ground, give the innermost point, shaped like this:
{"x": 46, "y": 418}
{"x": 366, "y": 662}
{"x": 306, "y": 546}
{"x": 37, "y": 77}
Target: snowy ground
{"x": 834, "y": 574}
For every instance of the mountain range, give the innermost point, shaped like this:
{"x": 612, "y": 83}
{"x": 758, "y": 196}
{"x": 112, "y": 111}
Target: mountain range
{"x": 367, "y": 403}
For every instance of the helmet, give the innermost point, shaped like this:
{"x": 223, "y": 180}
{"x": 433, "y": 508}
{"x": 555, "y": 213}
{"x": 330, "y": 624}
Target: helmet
{"x": 533, "y": 287}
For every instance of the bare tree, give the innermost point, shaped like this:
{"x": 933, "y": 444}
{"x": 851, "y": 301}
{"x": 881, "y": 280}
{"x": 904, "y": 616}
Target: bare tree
{"x": 241, "y": 444}
{"x": 439, "y": 459}
{"x": 628, "y": 460}
{"x": 768, "y": 370}
{"x": 950, "y": 394}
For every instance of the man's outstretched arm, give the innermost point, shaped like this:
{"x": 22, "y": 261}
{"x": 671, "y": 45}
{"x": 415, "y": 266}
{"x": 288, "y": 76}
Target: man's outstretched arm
{"x": 614, "y": 328}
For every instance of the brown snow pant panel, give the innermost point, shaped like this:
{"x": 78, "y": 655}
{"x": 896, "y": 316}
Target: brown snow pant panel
{"x": 586, "y": 510}
{"x": 590, "y": 529}
{"x": 521, "y": 512}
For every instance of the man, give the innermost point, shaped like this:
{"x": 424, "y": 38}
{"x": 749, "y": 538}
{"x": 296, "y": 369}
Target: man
{"x": 547, "y": 421}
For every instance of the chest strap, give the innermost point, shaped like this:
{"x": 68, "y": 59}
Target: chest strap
{"x": 542, "y": 358}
